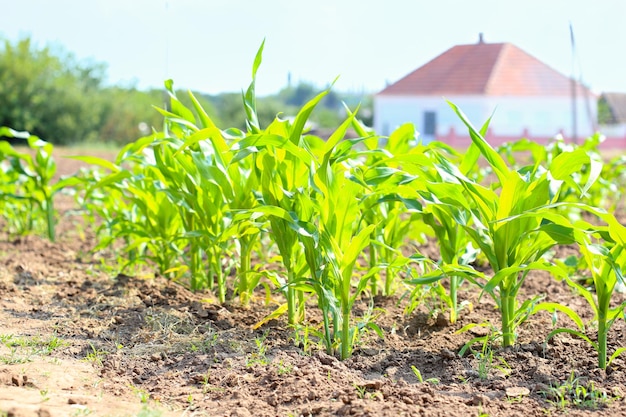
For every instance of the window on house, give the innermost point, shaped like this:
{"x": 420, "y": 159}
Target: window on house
{"x": 430, "y": 123}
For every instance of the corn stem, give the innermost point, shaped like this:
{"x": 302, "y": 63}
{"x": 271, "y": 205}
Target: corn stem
{"x": 49, "y": 208}
{"x": 244, "y": 270}
{"x": 346, "y": 341}
{"x": 507, "y": 305}
{"x": 603, "y": 309}
{"x": 454, "y": 284}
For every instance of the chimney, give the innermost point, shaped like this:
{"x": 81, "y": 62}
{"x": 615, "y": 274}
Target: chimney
{"x": 480, "y": 38}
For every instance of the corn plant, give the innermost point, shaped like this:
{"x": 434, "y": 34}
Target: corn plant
{"x": 326, "y": 224}
{"x": 389, "y": 204}
{"x": 512, "y": 229}
{"x": 32, "y": 177}
{"x": 20, "y": 213}
{"x": 606, "y": 263}
{"x": 313, "y": 207}
{"x": 455, "y": 249}
{"x": 455, "y": 246}
{"x": 341, "y": 238}
{"x": 134, "y": 209}
{"x": 283, "y": 162}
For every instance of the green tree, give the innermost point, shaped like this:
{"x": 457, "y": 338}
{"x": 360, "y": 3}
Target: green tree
{"x": 128, "y": 114}
{"x": 51, "y": 95}
{"x": 605, "y": 116}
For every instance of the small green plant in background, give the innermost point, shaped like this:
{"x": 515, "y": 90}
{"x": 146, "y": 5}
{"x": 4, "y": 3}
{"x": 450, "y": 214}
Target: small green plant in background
{"x": 606, "y": 264}
{"x": 576, "y": 393}
{"x": 482, "y": 413}
{"x": 23, "y": 347}
{"x": 421, "y": 379}
{"x": 284, "y": 368}
{"x": 361, "y": 390}
{"x": 96, "y": 355}
{"x": 259, "y": 357}
{"x": 149, "y": 412}
{"x": 144, "y": 396}
{"x": 29, "y": 191}
{"x": 487, "y": 360}
{"x": 44, "y": 395}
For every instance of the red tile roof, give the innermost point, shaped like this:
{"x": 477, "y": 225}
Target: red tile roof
{"x": 494, "y": 69}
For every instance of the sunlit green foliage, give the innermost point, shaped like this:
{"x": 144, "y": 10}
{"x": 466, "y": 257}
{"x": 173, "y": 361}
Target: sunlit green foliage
{"x": 340, "y": 219}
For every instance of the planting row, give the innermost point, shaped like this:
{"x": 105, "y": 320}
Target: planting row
{"x": 274, "y": 206}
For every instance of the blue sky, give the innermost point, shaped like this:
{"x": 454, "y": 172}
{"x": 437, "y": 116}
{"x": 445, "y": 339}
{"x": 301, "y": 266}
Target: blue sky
{"x": 209, "y": 45}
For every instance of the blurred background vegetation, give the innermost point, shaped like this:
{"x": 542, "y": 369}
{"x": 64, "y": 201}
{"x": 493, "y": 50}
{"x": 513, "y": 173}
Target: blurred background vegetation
{"x": 51, "y": 94}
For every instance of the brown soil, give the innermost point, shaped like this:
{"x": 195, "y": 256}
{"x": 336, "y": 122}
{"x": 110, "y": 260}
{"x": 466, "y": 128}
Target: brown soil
{"x": 131, "y": 345}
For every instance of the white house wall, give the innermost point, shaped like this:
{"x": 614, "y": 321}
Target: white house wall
{"x": 514, "y": 116}
{"x": 542, "y": 116}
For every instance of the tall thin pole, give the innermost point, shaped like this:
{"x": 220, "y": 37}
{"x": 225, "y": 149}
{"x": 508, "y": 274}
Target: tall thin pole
{"x": 167, "y": 52}
{"x": 573, "y": 87}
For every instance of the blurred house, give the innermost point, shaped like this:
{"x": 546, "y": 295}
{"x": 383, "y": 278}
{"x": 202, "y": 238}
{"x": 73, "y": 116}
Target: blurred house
{"x": 528, "y": 99}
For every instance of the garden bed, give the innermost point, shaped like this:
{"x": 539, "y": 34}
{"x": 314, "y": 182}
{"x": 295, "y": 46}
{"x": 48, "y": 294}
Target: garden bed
{"x": 79, "y": 338}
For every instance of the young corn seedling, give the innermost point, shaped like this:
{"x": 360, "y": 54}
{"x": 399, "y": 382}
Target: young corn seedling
{"x": 331, "y": 256}
{"x": 341, "y": 240}
{"x": 134, "y": 209}
{"x": 514, "y": 228}
{"x": 390, "y": 205}
{"x": 20, "y": 213}
{"x": 455, "y": 247}
{"x": 201, "y": 190}
{"x": 606, "y": 264}
{"x": 286, "y": 162}
{"x": 318, "y": 222}
{"x": 341, "y": 214}
{"x": 381, "y": 203}
{"x": 34, "y": 186}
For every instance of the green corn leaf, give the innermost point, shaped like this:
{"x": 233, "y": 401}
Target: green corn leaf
{"x": 470, "y": 159}
{"x": 249, "y": 97}
{"x": 400, "y": 139}
{"x": 370, "y": 140}
{"x": 137, "y": 147}
{"x": 213, "y": 133}
{"x": 302, "y": 117}
{"x": 494, "y": 159}
{"x": 258, "y": 59}
{"x": 205, "y": 120}
{"x": 93, "y": 160}
{"x": 506, "y": 272}
{"x": 279, "y": 311}
{"x": 573, "y": 333}
{"x": 412, "y": 204}
{"x": 567, "y": 163}
{"x": 552, "y": 307}
{"x": 336, "y": 136}
{"x": 115, "y": 178}
{"x": 386, "y": 175}
{"x": 178, "y": 108}
{"x": 263, "y": 140}
{"x": 617, "y": 353}
{"x": 561, "y": 234}
{"x": 10, "y": 133}
{"x": 354, "y": 249}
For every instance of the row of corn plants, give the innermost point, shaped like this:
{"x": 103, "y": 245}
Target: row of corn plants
{"x": 27, "y": 188}
{"x": 331, "y": 220}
